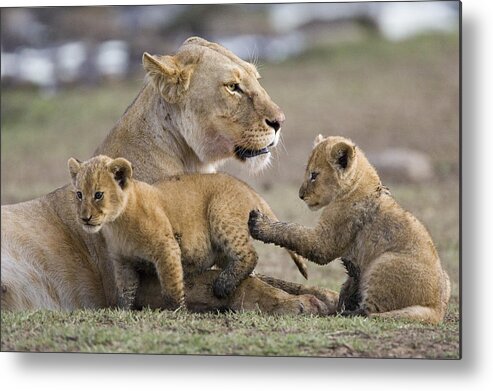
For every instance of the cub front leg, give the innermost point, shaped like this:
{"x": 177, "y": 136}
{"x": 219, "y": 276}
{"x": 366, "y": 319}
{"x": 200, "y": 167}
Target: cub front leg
{"x": 170, "y": 272}
{"x": 127, "y": 283}
{"x": 302, "y": 240}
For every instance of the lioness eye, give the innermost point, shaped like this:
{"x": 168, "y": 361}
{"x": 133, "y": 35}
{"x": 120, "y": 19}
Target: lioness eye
{"x": 313, "y": 176}
{"x": 79, "y": 195}
{"x": 234, "y": 87}
{"x": 98, "y": 195}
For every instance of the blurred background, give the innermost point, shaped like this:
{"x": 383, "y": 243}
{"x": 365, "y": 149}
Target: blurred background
{"x": 384, "y": 74}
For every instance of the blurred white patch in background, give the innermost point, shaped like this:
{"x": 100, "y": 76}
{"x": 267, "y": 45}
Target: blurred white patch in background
{"x": 112, "y": 58}
{"x": 70, "y": 58}
{"x": 398, "y": 21}
{"x": 36, "y": 66}
{"x": 287, "y": 17}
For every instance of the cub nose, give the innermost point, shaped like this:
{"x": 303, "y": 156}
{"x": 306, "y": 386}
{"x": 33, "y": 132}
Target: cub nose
{"x": 86, "y": 219}
{"x": 302, "y": 194}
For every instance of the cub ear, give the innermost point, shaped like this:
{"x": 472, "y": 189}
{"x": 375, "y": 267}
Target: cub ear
{"x": 122, "y": 171}
{"x": 73, "y": 168}
{"x": 169, "y": 76}
{"x": 318, "y": 140}
{"x": 341, "y": 155}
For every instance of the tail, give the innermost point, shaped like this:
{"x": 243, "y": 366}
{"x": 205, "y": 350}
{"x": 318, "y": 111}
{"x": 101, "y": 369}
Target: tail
{"x": 298, "y": 260}
{"x": 300, "y": 263}
{"x": 416, "y": 312}
{"x": 445, "y": 291}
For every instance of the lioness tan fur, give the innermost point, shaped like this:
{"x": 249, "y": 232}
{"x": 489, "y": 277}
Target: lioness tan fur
{"x": 387, "y": 251}
{"x": 197, "y": 219}
{"x": 198, "y": 108}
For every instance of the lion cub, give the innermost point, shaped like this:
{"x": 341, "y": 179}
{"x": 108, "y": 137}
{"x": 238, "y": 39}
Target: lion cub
{"x": 186, "y": 222}
{"x": 393, "y": 267}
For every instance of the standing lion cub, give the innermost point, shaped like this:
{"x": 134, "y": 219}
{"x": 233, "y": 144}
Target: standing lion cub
{"x": 182, "y": 224}
{"x": 393, "y": 267}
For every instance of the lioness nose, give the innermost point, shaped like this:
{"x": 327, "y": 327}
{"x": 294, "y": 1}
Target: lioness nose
{"x": 86, "y": 219}
{"x": 273, "y": 124}
{"x": 276, "y": 123}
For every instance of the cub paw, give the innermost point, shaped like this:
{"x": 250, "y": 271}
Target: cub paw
{"x": 254, "y": 220}
{"x": 125, "y": 303}
{"x": 361, "y": 311}
{"x": 223, "y": 288}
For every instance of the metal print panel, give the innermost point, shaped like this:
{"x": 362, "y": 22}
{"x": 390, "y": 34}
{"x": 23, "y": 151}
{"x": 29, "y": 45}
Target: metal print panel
{"x": 236, "y": 179}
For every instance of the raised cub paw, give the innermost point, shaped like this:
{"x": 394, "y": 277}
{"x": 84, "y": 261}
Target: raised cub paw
{"x": 255, "y": 220}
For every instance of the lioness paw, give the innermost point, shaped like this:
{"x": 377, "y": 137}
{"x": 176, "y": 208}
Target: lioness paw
{"x": 310, "y": 305}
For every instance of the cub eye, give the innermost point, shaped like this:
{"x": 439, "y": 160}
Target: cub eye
{"x": 313, "y": 176}
{"x": 98, "y": 195}
{"x": 79, "y": 195}
{"x": 234, "y": 87}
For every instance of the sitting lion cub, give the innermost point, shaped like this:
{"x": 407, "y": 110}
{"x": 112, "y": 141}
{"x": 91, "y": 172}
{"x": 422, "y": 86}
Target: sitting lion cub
{"x": 186, "y": 221}
{"x": 393, "y": 267}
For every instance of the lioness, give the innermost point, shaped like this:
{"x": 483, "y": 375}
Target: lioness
{"x": 198, "y": 108}
{"x": 388, "y": 253}
{"x": 197, "y": 219}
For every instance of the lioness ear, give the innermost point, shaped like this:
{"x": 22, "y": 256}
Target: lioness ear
{"x": 341, "y": 155}
{"x": 169, "y": 76}
{"x": 318, "y": 140}
{"x": 73, "y": 168}
{"x": 122, "y": 171}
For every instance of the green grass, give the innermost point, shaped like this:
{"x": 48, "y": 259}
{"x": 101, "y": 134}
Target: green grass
{"x": 248, "y": 333}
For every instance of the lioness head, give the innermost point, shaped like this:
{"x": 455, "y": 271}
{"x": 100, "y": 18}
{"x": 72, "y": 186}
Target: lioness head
{"x": 336, "y": 169}
{"x": 225, "y": 112}
{"x": 99, "y": 189}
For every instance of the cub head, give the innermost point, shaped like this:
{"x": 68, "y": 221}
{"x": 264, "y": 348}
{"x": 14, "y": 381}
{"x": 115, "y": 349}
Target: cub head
{"x": 224, "y": 110}
{"x": 100, "y": 189}
{"x": 336, "y": 169}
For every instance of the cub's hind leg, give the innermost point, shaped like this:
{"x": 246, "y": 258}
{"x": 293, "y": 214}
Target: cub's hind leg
{"x": 397, "y": 286}
{"x": 127, "y": 283}
{"x": 231, "y": 237}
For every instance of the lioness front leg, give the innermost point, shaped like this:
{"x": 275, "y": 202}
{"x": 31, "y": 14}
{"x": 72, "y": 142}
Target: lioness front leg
{"x": 302, "y": 240}
{"x": 251, "y": 295}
